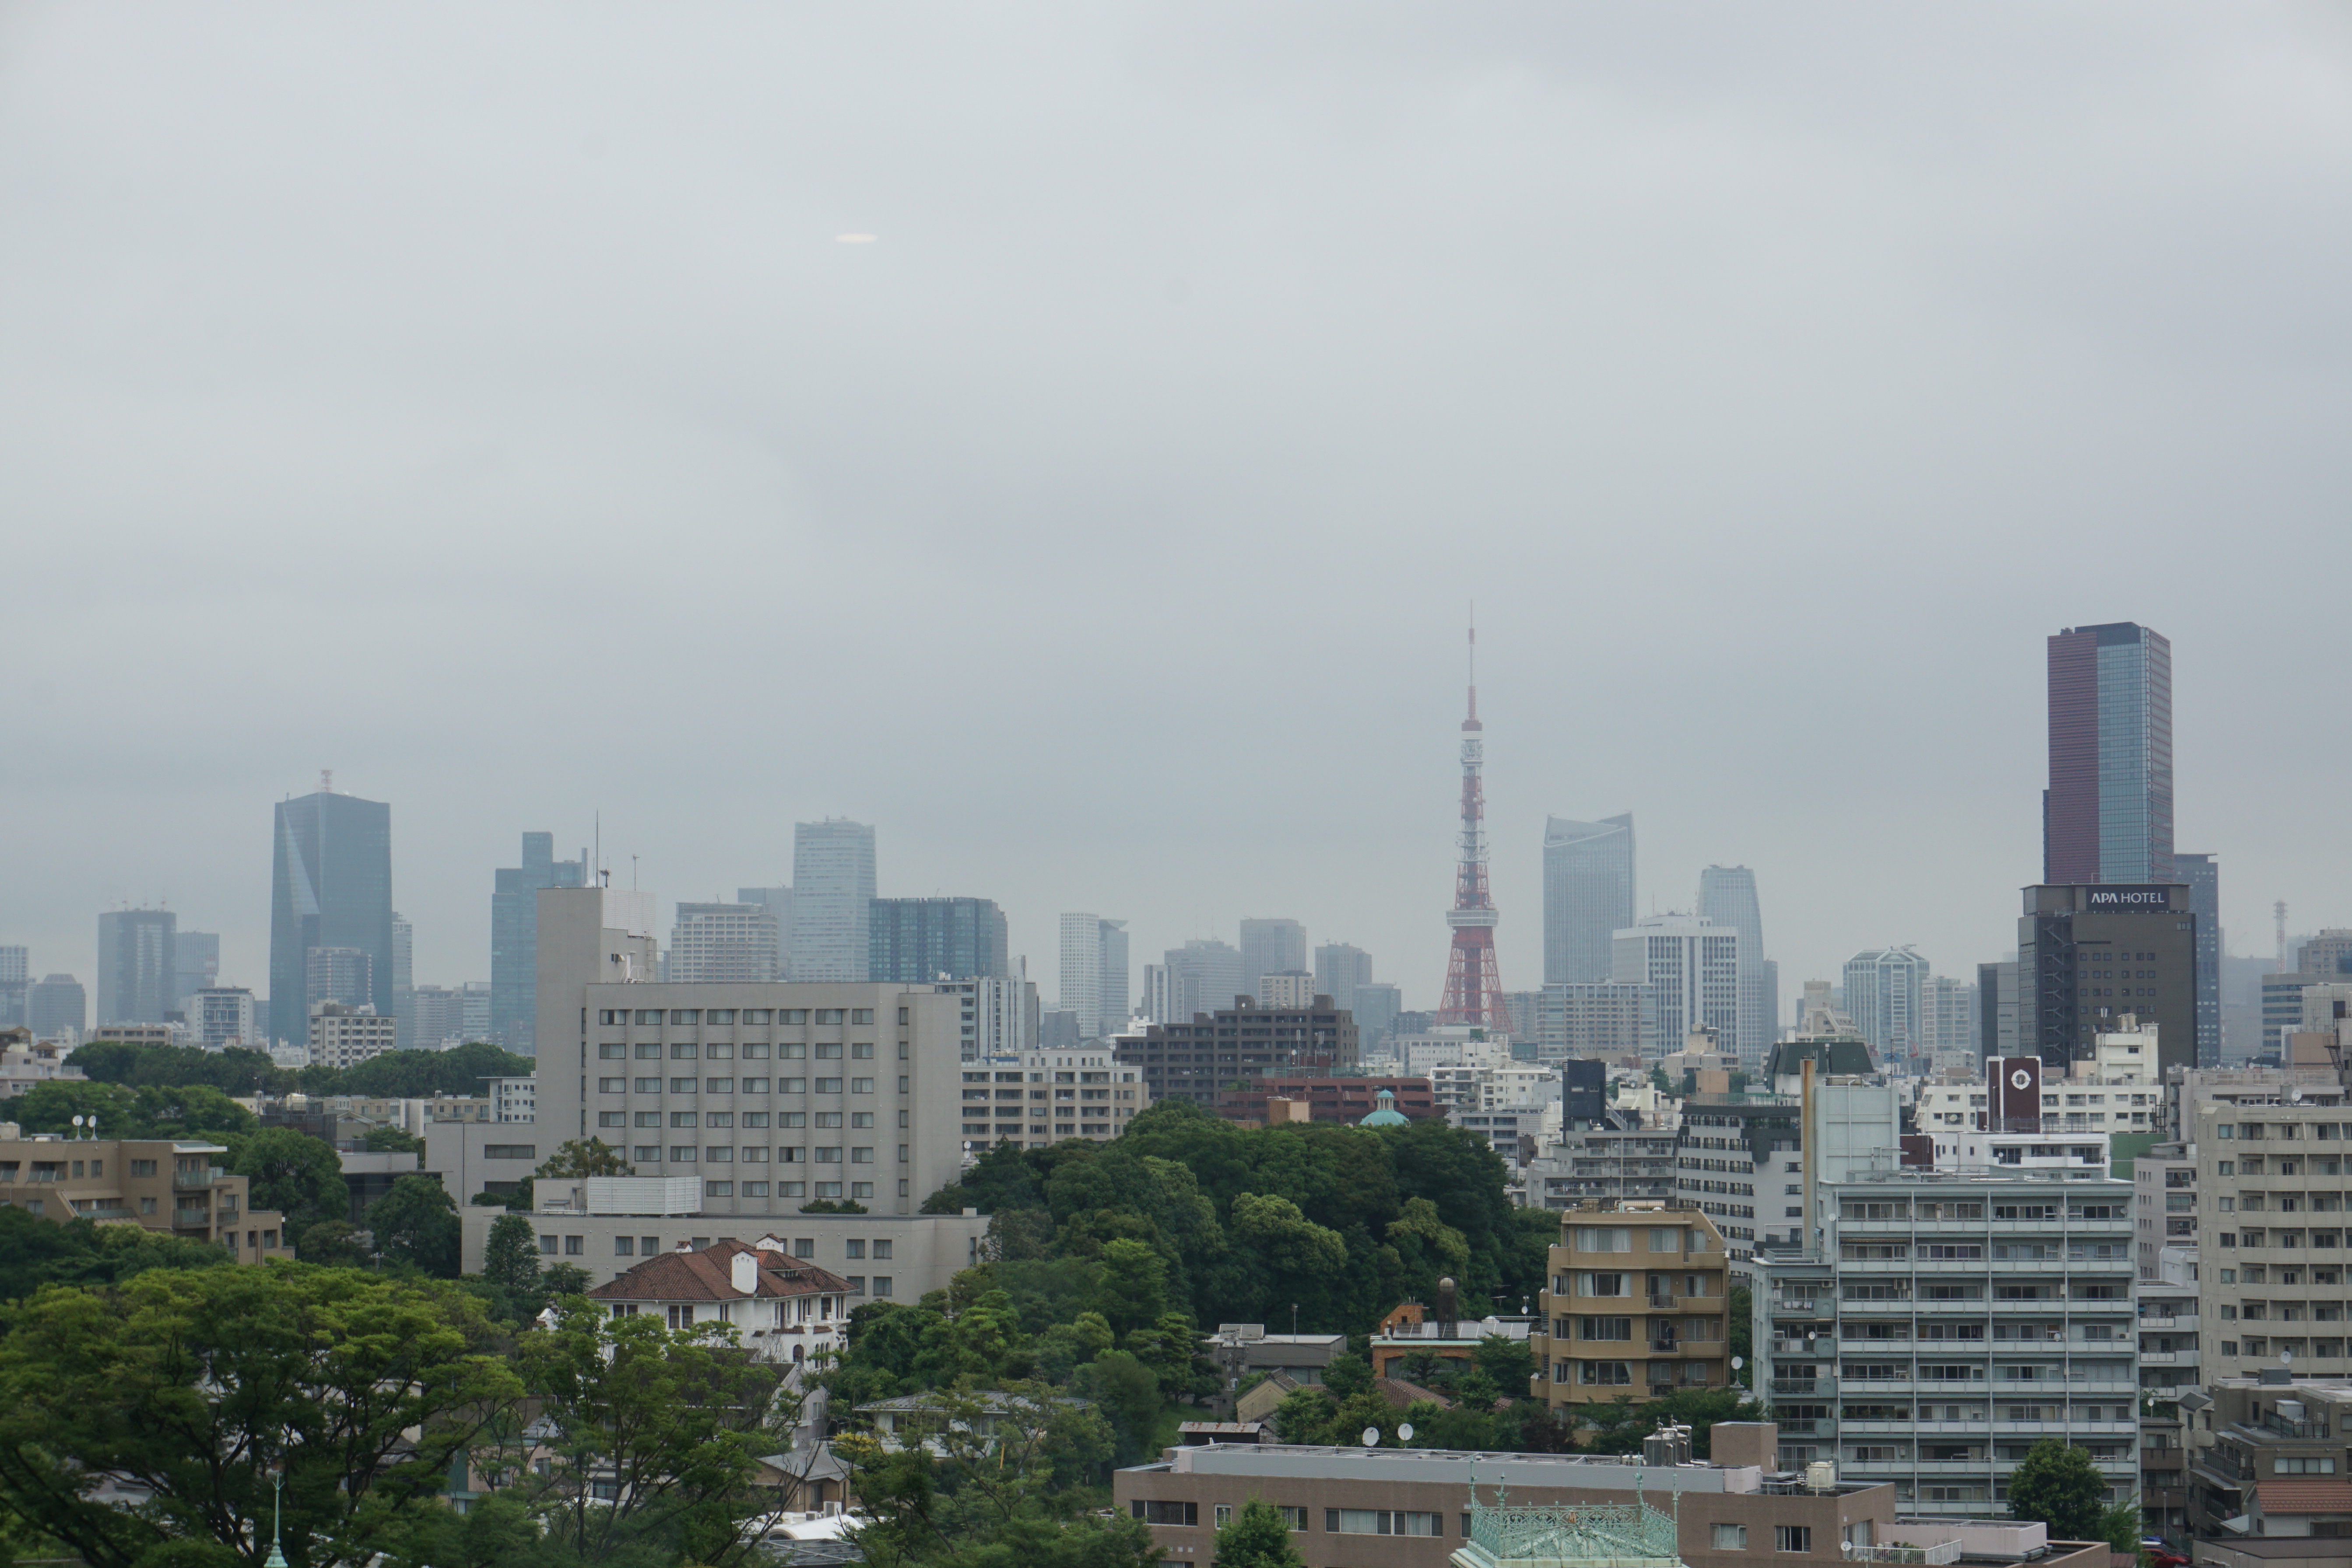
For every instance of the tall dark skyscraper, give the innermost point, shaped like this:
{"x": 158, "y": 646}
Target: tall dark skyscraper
{"x": 514, "y": 936}
{"x": 2203, "y": 875}
{"x": 331, "y": 886}
{"x": 914, "y": 941}
{"x": 2108, "y": 814}
{"x": 2086, "y": 955}
{"x": 1588, "y": 870}
{"x": 137, "y": 969}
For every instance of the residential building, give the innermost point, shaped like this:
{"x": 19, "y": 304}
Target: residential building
{"x": 833, "y": 896}
{"x": 1094, "y": 974}
{"x": 343, "y": 1036}
{"x": 2266, "y": 1457}
{"x": 25, "y": 1062}
{"x": 137, "y": 974}
{"x": 514, "y": 1099}
{"x": 1727, "y": 895}
{"x": 1886, "y": 994}
{"x": 1593, "y": 1020}
{"x": 1340, "y": 968}
{"x": 15, "y": 974}
{"x": 1635, "y": 1304}
{"x": 2164, "y": 1206}
{"x": 777, "y": 1307}
{"x": 778, "y": 902}
{"x": 727, "y": 944}
{"x": 1447, "y": 1045}
{"x": 196, "y": 962}
{"x": 1220, "y": 1051}
{"x": 1088, "y": 1093}
{"x": 1821, "y": 1012}
{"x": 1271, "y": 947}
{"x": 1588, "y": 870}
{"x": 55, "y": 1008}
{"x": 1947, "y": 1017}
{"x": 2270, "y": 1189}
{"x": 1411, "y": 1331}
{"x": 171, "y": 1186}
{"x": 1295, "y": 989}
{"x": 2089, "y": 953}
{"x": 514, "y": 938}
{"x": 331, "y": 887}
{"x": 220, "y": 1017}
{"x": 2108, "y": 814}
{"x": 843, "y": 1090}
{"x": 1200, "y": 977}
{"x": 1692, "y": 967}
{"x": 343, "y": 975}
{"x": 917, "y": 941}
{"x": 998, "y": 1017}
{"x": 1939, "y": 1323}
{"x": 2168, "y": 1332}
{"x": 2202, "y": 873}
{"x": 1617, "y": 1156}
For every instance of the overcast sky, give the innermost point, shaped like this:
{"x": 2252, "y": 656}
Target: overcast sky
{"x": 479, "y": 400}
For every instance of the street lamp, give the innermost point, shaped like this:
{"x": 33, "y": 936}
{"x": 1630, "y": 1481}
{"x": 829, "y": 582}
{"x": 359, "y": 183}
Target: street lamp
{"x": 277, "y": 1558}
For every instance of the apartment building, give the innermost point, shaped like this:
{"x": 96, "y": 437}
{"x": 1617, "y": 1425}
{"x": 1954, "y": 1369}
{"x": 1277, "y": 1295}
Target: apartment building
{"x": 2168, "y": 1332}
{"x": 1945, "y": 1321}
{"x": 1617, "y": 1158}
{"x": 173, "y": 1187}
{"x": 2163, "y": 1205}
{"x": 1046, "y": 1096}
{"x": 2271, "y": 1190}
{"x": 2256, "y": 1447}
{"x": 24, "y": 1063}
{"x": 344, "y": 1037}
{"x": 1635, "y": 1304}
{"x": 1215, "y": 1051}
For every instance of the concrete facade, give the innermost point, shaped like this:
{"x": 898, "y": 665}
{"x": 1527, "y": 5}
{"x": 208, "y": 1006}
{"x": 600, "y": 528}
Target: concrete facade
{"x": 1635, "y": 1304}
{"x": 173, "y": 1187}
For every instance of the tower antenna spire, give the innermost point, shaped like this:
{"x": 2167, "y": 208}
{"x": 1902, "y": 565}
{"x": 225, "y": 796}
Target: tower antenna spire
{"x": 1474, "y": 985}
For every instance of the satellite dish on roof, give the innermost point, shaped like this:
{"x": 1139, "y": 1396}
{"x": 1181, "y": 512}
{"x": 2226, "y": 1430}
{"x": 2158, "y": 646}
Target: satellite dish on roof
{"x": 2294, "y": 1094}
{"x": 1371, "y": 1437}
{"x": 1404, "y": 1433}
{"x": 1738, "y": 1361}
{"x": 2287, "y": 1357}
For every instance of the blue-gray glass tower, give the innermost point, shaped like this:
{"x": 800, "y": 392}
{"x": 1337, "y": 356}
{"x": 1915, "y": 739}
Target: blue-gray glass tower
{"x": 2108, "y": 814}
{"x": 331, "y": 886}
{"x": 2203, "y": 875}
{"x": 1727, "y": 895}
{"x": 1588, "y": 895}
{"x": 914, "y": 941}
{"x": 514, "y": 937}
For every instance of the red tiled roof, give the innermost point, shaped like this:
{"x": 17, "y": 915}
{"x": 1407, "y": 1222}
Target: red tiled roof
{"x": 709, "y": 1276}
{"x": 2306, "y": 1496}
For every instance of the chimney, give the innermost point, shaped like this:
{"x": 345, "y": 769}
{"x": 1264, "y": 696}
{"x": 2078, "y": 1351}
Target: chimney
{"x": 745, "y": 1268}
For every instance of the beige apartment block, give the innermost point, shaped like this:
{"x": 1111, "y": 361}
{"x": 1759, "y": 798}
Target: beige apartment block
{"x": 1636, "y": 1304}
{"x": 173, "y": 1187}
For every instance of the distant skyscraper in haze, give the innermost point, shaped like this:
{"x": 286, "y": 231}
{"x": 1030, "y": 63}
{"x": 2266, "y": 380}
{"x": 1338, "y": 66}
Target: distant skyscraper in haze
{"x": 136, "y": 969}
{"x": 1692, "y": 967}
{"x": 1270, "y": 947}
{"x": 404, "y": 982}
{"x": 778, "y": 902}
{"x": 1727, "y": 895}
{"x": 722, "y": 943}
{"x": 1201, "y": 976}
{"x": 919, "y": 941}
{"x": 1375, "y": 1005}
{"x": 15, "y": 974}
{"x": 514, "y": 936}
{"x": 195, "y": 964}
{"x": 342, "y": 976}
{"x": 55, "y": 1006}
{"x": 1094, "y": 974}
{"x": 1338, "y": 969}
{"x": 331, "y": 886}
{"x": 1588, "y": 870}
{"x": 2108, "y": 814}
{"x": 2203, "y": 875}
{"x": 833, "y": 896}
{"x": 1886, "y": 994}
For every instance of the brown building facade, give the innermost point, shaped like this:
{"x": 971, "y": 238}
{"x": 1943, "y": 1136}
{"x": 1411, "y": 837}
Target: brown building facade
{"x": 175, "y": 1187}
{"x": 1349, "y": 1099}
{"x": 1226, "y": 1050}
{"x": 1638, "y": 1291}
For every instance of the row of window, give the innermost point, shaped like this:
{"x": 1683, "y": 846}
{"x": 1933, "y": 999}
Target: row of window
{"x": 1974, "y": 1251}
{"x": 1620, "y": 1373}
{"x": 727, "y": 1086}
{"x": 611, "y": 1016}
{"x": 2319, "y": 1239}
{"x": 859, "y": 1051}
{"x": 727, "y": 1118}
{"x": 1422, "y": 1522}
{"x": 757, "y": 1154}
{"x": 2286, "y": 1132}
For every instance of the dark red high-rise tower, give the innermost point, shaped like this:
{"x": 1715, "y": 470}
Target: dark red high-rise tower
{"x": 1473, "y": 986}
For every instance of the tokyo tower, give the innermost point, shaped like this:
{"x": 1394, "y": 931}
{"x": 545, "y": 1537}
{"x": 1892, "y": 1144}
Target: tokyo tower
{"x": 1474, "y": 987}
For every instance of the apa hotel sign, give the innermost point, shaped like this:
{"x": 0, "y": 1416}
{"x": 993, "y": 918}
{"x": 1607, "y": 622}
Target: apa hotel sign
{"x": 2158, "y": 896}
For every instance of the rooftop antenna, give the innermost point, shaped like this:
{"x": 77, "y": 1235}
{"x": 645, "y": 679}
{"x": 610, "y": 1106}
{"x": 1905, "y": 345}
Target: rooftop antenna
{"x": 598, "y": 862}
{"x": 633, "y": 873}
{"x": 327, "y": 786}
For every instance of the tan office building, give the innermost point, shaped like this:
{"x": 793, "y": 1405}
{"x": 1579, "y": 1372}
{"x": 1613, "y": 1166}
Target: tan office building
{"x": 1636, "y": 1305}
{"x": 173, "y": 1187}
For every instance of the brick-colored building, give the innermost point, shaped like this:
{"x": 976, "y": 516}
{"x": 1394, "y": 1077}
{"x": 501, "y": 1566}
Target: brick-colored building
{"x": 1347, "y": 1100}
{"x": 173, "y": 1187}
{"x": 1638, "y": 1290}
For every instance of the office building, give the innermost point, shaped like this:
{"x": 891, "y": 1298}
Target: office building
{"x": 514, "y": 936}
{"x": 1094, "y": 974}
{"x": 169, "y": 1186}
{"x": 2108, "y": 814}
{"x": 331, "y": 887}
{"x": 721, "y": 945}
{"x": 343, "y": 975}
{"x": 473, "y": 1003}
{"x": 1940, "y": 1323}
{"x": 1597, "y": 1020}
{"x": 1049, "y": 1097}
{"x": 136, "y": 972}
{"x": 2328, "y": 953}
{"x": 2086, "y": 955}
{"x": 15, "y": 974}
{"x": 1375, "y": 1005}
{"x": 778, "y": 902}
{"x": 342, "y": 1037}
{"x": 1947, "y": 1016}
{"x": 2202, "y": 873}
{"x": 1636, "y": 1304}
{"x": 55, "y": 1008}
{"x": 1997, "y": 1010}
{"x": 404, "y": 978}
{"x": 196, "y": 962}
{"x": 1886, "y": 995}
{"x": 1691, "y": 966}
{"x": 772, "y": 1094}
{"x": 915, "y": 942}
{"x": 1200, "y": 977}
{"x": 1057, "y": 1029}
{"x": 1588, "y": 870}
{"x": 1727, "y": 895}
{"x": 1340, "y": 968}
{"x": 436, "y": 1019}
{"x": 833, "y": 895}
{"x": 221, "y": 1016}
{"x": 1272, "y": 947}
{"x": 1215, "y": 1050}
{"x": 994, "y": 1018}
{"x": 1296, "y": 989}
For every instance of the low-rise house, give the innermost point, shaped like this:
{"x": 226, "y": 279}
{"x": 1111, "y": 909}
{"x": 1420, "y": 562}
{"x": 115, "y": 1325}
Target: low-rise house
{"x": 781, "y": 1308}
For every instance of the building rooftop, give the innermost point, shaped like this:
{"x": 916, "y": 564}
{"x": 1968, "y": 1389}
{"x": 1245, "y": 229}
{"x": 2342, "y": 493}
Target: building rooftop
{"x": 1459, "y": 1466}
{"x": 2306, "y": 1496}
{"x": 709, "y": 1276}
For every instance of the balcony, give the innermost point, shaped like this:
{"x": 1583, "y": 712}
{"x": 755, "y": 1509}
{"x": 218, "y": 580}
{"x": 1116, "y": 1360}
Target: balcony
{"x": 1799, "y": 1387}
{"x": 190, "y": 1180}
{"x": 192, "y": 1219}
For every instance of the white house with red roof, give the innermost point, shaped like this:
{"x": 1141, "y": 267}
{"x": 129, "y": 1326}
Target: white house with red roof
{"x": 782, "y": 1308}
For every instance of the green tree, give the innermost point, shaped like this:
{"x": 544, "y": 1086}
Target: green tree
{"x": 416, "y": 1222}
{"x": 583, "y": 1157}
{"x": 1348, "y": 1375}
{"x": 299, "y": 1177}
{"x": 1258, "y": 1537}
{"x": 37, "y": 1252}
{"x": 186, "y": 1381}
{"x": 1507, "y": 1363}
{"x": 1304, "y": 1415}
{"x": 332, "y": 1243}
{"x": 511, "y": 1257}
{"x": 1134, "y": 1285}
{"x": 386, "y": 1139}
{"x": 1740, "y": 1305}
{"x": 189, "y": 1111}
{"x": 2061, "y": 1488}
{"x": 1127, "y": 1392}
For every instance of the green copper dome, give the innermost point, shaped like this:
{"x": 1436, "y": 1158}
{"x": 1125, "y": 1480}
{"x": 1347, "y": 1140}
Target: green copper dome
{"x": 1386, "y": 1115}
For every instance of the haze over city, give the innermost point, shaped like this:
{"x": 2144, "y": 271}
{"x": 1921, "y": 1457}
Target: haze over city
{"x": 508, "y": 428}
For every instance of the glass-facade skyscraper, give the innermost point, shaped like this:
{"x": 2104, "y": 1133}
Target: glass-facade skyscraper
{"x": 331, "y": 887}
{"x": 2203, "y": 875}
{"x": 919, "y": 941}
{"x": 137, "y": 969}
{"x": 514, "y": 937}
{"x": 833, "y": 896}
{"x": 1727, "y": 895}
{"x": 1588, "y": 895}
{"x": 2108, "y": 814}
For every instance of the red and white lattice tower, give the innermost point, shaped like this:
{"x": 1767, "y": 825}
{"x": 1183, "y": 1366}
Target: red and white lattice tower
{"x": 1474, "y": 987}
